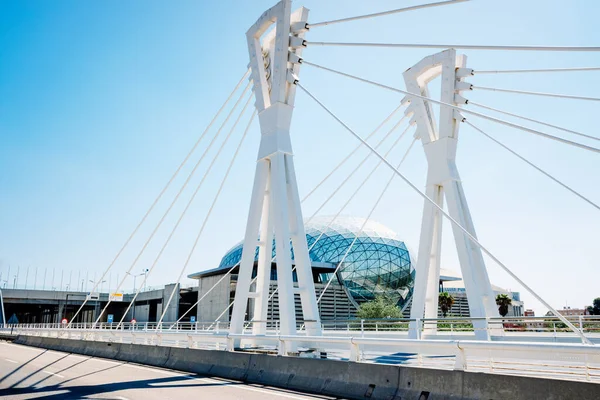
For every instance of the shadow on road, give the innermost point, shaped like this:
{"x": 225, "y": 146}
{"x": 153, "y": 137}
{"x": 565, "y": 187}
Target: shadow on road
{"x": 83, "y": 391}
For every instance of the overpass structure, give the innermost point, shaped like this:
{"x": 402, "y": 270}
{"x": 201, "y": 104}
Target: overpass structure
{"x": 485, "y": 342}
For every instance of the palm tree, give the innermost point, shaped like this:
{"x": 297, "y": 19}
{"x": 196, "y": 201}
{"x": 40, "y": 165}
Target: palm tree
{"x": 446, "y": 301}
{"x": 503, "y": 302}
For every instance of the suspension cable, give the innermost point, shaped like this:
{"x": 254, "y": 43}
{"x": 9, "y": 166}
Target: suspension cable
{"x": 183, "y": 213}
{"x": 162, "y": 192}
{"x": 452, "y": 220}
{"x": 562, "y": 96}
{"x": 466, "y": 111}
{"x": 381, "y": 14}
{"x": 350, "y": 198}
{"x": 324, "y": 203}
{"x": 212, "y": 206}
{"x": 301, "y": 202}
{"x": 386, "y": 120}
{"x": 519, "y": 71}
{"x": 357, "y": 168}
{"x": 533, "y": 165}
{"x": 458, "y": 46}
{"x": 389, "y": 182}
{"x": 533, "y": 120}
{"x": 189, "y": 177}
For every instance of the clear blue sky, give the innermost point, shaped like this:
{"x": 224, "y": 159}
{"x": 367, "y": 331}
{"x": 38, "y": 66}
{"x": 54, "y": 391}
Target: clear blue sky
{"x": 100, "y": 101}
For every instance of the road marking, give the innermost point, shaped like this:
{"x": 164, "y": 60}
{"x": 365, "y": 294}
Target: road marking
{"x": 244, "y": 386}
{"x": 12, "y": 361}
{"x": 227, "y": 383}
{"x": 52, "y": 373}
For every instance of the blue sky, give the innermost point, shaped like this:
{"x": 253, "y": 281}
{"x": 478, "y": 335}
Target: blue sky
{"x": 100, "y": 101}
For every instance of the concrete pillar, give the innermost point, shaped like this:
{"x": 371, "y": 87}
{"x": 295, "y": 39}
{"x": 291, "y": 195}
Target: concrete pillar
{"x": 173, "y": 311}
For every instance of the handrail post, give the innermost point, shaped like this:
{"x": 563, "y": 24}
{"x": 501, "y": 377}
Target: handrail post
{"x": 461, "y": 360}
{"x": 282, "y": 350}
{"x": 418, "y": 328}
{"x": 217, "y": 328}
{"x": 362, "y": 328}
{"x": 581, "y": 323}
{"x": 354, "y": 351}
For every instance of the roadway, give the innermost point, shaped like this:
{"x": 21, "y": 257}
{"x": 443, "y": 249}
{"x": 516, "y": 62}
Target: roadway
{"x": 29, "y": 373}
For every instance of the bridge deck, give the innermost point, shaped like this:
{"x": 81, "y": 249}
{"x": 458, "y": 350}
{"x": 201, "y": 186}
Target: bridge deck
{"x": 27, "y": 372}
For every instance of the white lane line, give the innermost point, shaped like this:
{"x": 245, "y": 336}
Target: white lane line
{"x": 52, "y": 373}
{"x": 12, "y": 361}
{"x": 244, "y": 386}
{"x": 232, "y": 384}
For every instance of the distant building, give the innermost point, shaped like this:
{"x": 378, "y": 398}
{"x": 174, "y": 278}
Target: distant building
{"x": 568, "y": 311}
{"x": 533, "y": 324}
{"x": 451, "y": 282}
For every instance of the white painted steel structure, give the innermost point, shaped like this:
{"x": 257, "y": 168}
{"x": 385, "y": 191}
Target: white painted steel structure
{"x": 275, "y": 203}
{"x": 362, "y": 343}
{"x": 275, "y": 213}
{"x": 440, "y": 140}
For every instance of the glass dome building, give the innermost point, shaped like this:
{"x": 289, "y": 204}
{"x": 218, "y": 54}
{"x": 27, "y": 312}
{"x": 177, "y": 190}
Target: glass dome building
{"x": 378, "y": 263}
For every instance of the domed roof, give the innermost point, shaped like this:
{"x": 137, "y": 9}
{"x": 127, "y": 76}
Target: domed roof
{"x": 349, "y": 225}
{"x": 377, "y": 262}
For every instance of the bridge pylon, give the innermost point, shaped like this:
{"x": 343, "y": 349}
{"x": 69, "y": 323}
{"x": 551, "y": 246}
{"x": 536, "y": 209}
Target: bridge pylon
{"x": 275, "y": 204}
{"x": 440, "y": 139}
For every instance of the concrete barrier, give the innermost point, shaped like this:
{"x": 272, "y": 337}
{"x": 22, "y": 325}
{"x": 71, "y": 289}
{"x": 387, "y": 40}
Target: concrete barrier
{"x": 149, "y": 355}
{"x": 329, "y": 377}
{"x": 211, "y": 363}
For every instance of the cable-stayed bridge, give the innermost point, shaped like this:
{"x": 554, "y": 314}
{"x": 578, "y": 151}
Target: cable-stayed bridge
{"x": 433, "y": 106}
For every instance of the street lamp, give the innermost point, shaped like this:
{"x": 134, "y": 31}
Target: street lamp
{"x": 94, "y": 284}
{"x": 144, "y": 272}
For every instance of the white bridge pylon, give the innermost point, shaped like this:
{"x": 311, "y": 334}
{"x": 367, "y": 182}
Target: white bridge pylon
{"x": 440, "y": 140}
{"x": 275, "y": 203}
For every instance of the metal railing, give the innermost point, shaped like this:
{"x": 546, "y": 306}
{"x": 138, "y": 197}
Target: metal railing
{"x": 562, "y": 361}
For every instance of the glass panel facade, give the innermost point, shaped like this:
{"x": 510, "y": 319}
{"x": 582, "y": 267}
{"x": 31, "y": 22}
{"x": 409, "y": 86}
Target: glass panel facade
{"x": 377, "y": 263}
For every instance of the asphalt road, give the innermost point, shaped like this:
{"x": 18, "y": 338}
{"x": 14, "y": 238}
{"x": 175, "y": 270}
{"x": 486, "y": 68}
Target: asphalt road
{"x": 32, "y": 373}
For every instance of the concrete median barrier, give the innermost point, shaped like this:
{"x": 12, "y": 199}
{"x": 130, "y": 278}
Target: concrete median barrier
{"x": 149, "y": 355}
{"x": 211, "y": 363}
{"x": 328, "y": 377}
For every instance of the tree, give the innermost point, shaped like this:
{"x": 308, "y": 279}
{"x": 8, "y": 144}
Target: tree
{"x": 378, "y": 309}
{"x": 503, "y": 302}
{"x": 446, "y": 301}
{"x": 595, "y": 308}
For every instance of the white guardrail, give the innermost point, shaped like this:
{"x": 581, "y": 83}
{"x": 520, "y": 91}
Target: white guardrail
{"x": 570, "y": 361}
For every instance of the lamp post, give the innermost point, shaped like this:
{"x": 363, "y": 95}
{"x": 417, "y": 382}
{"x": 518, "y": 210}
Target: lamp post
{"x": 96, "y": 286}
{"x": 2, "y": 305}
{"x": 145, "y": 273}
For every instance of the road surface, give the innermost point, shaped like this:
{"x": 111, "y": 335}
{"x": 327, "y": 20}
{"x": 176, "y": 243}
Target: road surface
{"x": 29, "y": 373}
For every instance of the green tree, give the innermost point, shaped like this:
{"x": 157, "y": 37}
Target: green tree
{"x": 595, "y": 308}
{"x": 378, "y": 309}
{"x": 446, "y": 301}
{"x": 503, "y": 302}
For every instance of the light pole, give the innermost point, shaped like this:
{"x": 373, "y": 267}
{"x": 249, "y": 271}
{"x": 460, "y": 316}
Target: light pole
{"x": 98, "y": 299}
{"x": 2, "y": 304}
{"x": 95, "y": 285}
{"x": 144, "y": 272}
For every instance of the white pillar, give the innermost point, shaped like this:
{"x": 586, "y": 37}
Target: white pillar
{"x": 275, "y": 205}
{"x": 440, "y": 140}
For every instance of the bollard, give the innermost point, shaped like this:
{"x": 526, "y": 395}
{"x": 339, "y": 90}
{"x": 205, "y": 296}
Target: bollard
{"x": 460, "y": 363}
{"x": 362, "y": 328}
{"x": 354, "y": 351}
